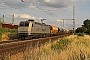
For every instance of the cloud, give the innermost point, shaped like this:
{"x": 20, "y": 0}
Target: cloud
{"x": 2, "y": 5}
{"x": 15, "y": 4}
{"x": 59, "y": 20}
{"x": 24, "y": 16}
{"x": 32, "y": 6}
{"x": 50, "y": 1}
{"x": 18, "y": 4}
{"x": 57, "y": 3}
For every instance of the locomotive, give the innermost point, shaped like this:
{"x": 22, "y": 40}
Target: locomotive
{"x": 30, "y": 28}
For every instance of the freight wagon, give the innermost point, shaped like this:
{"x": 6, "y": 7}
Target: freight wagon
{"x": 29, "y": 29}
{"x": 11, "y": 26}
{"x": 54, "y": 30}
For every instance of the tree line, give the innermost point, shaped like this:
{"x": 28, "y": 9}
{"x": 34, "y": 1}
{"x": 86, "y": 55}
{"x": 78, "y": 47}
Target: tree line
{"x": 85, "y": 28}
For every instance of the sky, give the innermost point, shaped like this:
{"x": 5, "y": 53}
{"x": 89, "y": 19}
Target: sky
{"x": 51, "y": 10}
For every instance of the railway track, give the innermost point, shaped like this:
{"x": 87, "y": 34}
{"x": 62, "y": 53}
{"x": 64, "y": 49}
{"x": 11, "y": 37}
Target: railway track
{"x": 9, "y": 41}
{"x": 14, "y": 43}
{"x": 19, "y": 45}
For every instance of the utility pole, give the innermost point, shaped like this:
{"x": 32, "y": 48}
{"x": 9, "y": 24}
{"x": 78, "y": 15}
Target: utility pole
{"x": 0, "y": 22}
{"x": 12, "y": 19}
{"x": 3, "y": 19}
{"x": 72, "y": 19}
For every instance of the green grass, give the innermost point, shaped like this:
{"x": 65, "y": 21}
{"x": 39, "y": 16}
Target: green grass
{"x": 7, "y": 30}
{"x": 61, "y": 44}
{"x": 80, "y": 34}
{"x": 68, "y": 48}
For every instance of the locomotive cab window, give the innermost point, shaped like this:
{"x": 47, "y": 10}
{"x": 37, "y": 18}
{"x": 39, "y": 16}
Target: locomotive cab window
{"x": 24, "y": 24}
{"x": 21, "y": 24}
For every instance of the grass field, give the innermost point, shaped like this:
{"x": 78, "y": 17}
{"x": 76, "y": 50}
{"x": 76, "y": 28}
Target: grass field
{"x": 68, "y": 48}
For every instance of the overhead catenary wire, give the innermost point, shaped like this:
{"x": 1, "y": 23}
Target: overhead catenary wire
{"x": 23, "y": 11}
{"x": 50, "y": 6}
{"x": 52, "y": 14}
{"x": 28, "y": 8}
{"x": 28, "y": 2}
{"x": 40, "y": 8}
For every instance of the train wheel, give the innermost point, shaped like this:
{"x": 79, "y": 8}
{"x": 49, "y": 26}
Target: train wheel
{"x": 21, "y": 37}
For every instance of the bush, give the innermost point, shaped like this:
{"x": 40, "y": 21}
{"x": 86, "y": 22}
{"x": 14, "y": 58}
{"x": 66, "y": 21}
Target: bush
{"x": 6, "y": 30}
{"x": 61, "y": 44}
{"x": 13, "y": 30}
{"x": 80, "y": 34}
{"x": 0, "y": 35}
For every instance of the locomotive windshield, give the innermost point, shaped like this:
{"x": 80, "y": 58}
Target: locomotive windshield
{"x": 24, "y": 24}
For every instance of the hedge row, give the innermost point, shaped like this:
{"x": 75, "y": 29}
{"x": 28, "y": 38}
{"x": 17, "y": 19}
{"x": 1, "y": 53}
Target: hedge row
{"x": 6, "y": 30}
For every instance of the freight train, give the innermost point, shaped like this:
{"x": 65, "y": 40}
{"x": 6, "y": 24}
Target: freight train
{"x": 30, "y": 28}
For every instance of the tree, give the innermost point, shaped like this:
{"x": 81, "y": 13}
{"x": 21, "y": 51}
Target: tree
{"x": 87, "y": 25}
{"x": 81, "y": 29}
